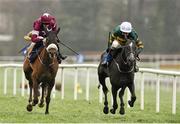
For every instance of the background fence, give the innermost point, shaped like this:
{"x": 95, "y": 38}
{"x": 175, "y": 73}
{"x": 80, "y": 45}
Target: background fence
{"x": 168, "y": 78}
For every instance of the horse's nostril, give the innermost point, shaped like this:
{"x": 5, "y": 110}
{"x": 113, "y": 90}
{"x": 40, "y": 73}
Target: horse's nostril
{"x": 52, "y": 54}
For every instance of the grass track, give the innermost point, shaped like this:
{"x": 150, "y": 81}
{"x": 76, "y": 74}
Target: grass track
{"x": 13, "y": 109}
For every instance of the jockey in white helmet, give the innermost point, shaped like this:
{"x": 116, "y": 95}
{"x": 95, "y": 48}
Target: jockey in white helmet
{"x": 119, "y": 37}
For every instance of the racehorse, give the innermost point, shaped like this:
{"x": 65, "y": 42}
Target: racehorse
{"x": 42, "y": 72}
{"x": 121, "y": 74}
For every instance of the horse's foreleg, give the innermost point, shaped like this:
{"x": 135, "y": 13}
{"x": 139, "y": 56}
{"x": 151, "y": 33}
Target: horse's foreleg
{"x": 133, "y": 96}
{"x": 41, "y": 104}
{"x": 121, "y": 94}
{"x": 35, "y": 90}
{"x": 105, "y": 91}
{"x": 115, "y": 105}
{"x": 30, "y": 94}
{"x": 48, "y": 97}
{"x": 29, "y": 106}
{"x": 106, "y": 109}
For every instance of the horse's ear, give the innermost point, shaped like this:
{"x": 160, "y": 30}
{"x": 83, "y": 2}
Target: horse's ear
{"x": 58, "y": 30}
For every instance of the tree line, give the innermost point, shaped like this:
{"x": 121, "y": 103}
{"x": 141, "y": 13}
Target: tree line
{"x": 85, "y": 24}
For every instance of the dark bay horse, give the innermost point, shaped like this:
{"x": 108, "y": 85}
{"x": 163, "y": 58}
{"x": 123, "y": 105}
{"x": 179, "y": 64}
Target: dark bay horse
{"x": 121, "y": 74}
{"x": 43, "y": 71}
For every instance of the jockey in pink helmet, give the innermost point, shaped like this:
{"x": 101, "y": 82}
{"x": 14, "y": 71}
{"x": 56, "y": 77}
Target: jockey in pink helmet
{"x": 38, "y": 34}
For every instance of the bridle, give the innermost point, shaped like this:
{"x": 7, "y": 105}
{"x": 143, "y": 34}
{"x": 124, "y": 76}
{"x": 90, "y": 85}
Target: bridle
{"x": 48, "y": 46}
{"x": 127, "y": 56}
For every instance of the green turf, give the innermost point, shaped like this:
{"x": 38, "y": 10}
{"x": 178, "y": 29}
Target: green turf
{"x": 13, "y": 108}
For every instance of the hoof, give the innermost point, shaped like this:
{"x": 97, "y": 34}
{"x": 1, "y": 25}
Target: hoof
{"x": 35, "y": 102}
{"x": 122, "y": 111}
{"x": 29, "y": 108}
{"x": 131, "y": 104}
{"x": 106, "y": 110}
{"x": 113, "y": 111}
{"x": 46, "y": 113}
{"x": 41, "y": 105}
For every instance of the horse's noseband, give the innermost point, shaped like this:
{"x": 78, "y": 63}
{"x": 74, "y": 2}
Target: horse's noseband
{"x": 52, "y": 46}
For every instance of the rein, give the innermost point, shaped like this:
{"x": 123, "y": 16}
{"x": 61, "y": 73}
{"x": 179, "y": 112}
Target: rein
{"x": 119, "y": 69}
{"x": 125, "y": 62}
{"x": 44, "y": 63}
{"x": 41, "y": 61}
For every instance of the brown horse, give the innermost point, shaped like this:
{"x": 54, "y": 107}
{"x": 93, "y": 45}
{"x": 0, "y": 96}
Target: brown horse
{"x": 43, "y": 71}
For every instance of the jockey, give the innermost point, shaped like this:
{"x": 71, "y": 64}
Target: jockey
{"x": 120, "y": 35}
{"x": 38, "y": 34}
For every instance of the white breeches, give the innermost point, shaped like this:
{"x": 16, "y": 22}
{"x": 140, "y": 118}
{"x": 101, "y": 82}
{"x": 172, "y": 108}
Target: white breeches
{"x": 115, "y": 44}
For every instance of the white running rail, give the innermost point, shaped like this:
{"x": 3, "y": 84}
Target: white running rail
{"x": 157, "y": 72}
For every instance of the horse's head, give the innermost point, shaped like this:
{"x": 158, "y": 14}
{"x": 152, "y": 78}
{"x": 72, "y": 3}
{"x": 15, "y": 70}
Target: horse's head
{"x": 128, "y": 52}
{"x": 51, "y": 42}
{"x": 125, "y": 58}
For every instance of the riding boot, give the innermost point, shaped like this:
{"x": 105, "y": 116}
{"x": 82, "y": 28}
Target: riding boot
{"x": 107, "y": 57}
{"x": 32, "y": 56}
{"x": 34, "y": 53}
{"x": 60, "y": 56}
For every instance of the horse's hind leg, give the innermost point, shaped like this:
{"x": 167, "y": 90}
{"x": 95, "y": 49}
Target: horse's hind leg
{"x": 115, "y": 105}
{"x": 105, "y": 91}
{"x": 133, "y": 96}
{"x": 48, "y": 97}
{"x": 121, "y": 93}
